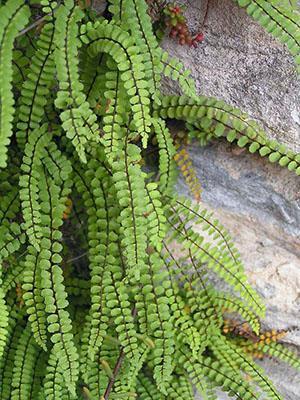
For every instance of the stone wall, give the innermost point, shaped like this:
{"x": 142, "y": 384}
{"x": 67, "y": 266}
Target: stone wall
{"x": 258, "y": 202}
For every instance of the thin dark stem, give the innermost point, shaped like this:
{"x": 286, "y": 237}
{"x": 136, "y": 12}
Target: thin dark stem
{"x": 33, "y": 25}
{"x": 117, "y": 368}
{"x": 38, "y": 21}
{"x": 205, "y": 15}
{"x": 115, "y": 373}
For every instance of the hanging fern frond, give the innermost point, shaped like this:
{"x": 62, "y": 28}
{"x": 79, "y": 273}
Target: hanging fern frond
{"x": 111, "y": 39}
{"x": 108, "y": 279}
{"x": 25, "y": 358}
{"x": 36, "y": 87}
{"x": 14, "y": 15}
{"x": 184, "y": 162}
{"x": 78, "y": 120}
{"x": 167, "y": 151}
{"x": 32, "y": 297}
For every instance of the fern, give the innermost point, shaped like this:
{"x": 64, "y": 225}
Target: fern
{"x": 281, "y": 19}
{"x": 94, "y": 300}
{"x": 14, "y": 16}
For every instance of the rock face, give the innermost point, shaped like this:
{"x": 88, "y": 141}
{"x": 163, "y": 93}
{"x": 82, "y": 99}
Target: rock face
{"x": 259, "y": 205}
{"x": 258, "y": 202}
{"x": 242, "y": 64}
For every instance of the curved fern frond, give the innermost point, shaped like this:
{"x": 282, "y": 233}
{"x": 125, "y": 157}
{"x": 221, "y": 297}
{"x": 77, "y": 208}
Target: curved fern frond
{"x": 13, "y": 17}
{"x": 29, "y": 193}
{"x": 234, "y": 355}
{"x": 231, "y": 123}
{"x": 109, "y": 38}
{"x": 36, "y": 87}
{"x": 78, "y": 120}
{"x": 175, "y": 70}
{"x": 213, "y": 258}
{"x": 132, "y": 16}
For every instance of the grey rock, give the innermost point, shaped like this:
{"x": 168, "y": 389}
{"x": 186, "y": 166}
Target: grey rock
{"x": 242, "y": 64}
{"x": 258, "y": 202}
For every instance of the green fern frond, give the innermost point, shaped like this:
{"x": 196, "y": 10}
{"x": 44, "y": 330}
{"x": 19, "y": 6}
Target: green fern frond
{"x": 25, "y": 358}
{"x": 229, "y": 122}
{"x": 107, "y": 277}
{"x": 111, "y": 39}
{"x": 14, "y": 15}
{"x": 282, "y": 21}
{"x": 29, "y": 193}
{"x": 32, "y": 297}
{"x": 36, "y": 87}
{"x": 78, "y": 120}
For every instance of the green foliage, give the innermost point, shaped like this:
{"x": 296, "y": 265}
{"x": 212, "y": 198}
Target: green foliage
{"x": 280, "y": 18}
{"x": 94, "y": 301}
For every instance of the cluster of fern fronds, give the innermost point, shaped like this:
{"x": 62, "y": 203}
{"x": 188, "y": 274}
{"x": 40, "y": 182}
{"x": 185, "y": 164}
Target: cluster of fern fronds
{"x": 105, "y": 281}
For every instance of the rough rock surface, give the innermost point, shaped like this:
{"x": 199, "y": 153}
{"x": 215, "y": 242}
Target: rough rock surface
{"x": 242, "y": 64}
{"x": 258, "y": 202}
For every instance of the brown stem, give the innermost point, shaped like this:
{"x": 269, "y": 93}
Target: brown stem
{"x": 117, "y": 367}
{"x": 205, "y": 15}
{"x": 32, "y": 26}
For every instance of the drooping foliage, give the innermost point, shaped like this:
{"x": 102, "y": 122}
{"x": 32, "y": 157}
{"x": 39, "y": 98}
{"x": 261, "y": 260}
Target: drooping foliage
{"x": 106, "y": 288}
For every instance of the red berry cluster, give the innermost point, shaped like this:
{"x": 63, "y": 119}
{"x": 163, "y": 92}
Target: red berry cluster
{"x": 176, "y": 22}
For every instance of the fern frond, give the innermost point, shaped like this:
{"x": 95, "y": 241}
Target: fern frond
{"x": 78, "y": 120}
{"x": 12, "y": 276}
{"x": 231, "y": 123}
{"x": 180, "y": 388}
{"x": 281, "y": 21}
{"x": 159, "y": 319}
{"x": 13, "y": 17}
{"x": 167, "y": 151}
{"x": 25, "y": 358}
{"x": 52, "y": 286}
{"x": 184, "y": 162}
{"x": 206, "y": 221}
{"x": 132, "y": 16}
{"x": 155, "y": 216}
{"x": 216, "y": 260}
{"x": 130, "y": 190}
{"x": 14, "y": 331}
{"x": 54, "y": 387}
{"x": 32, "y": 297}
{"x": 116, "y": 112}
{"x": 175, "y": 70}
{"x": 4, "y": 322}
{"x": 36, "y": 87}
{"x": 111, "y": 39}
{"x": 147, "y": 389}
{"x": 231, "y": 304}
{"x": 235, "y": 355}
{"x": 274, "y": 349}
{"x": 29, "y": 193}
{"x": 92, "y": 189}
